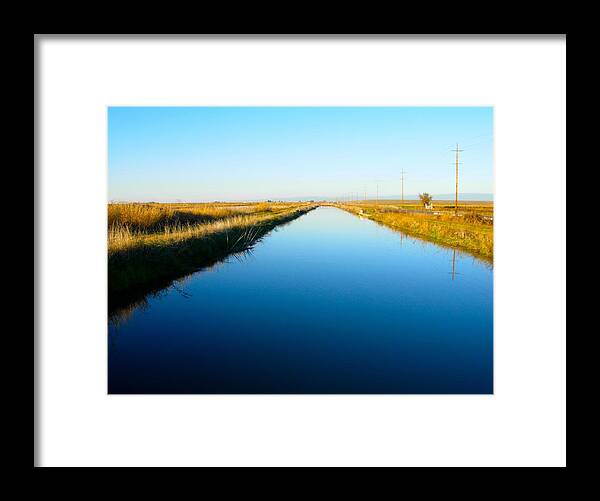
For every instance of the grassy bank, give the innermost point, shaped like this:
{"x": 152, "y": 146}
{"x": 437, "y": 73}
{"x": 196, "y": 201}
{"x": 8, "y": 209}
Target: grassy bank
{"x": 471, "y": 231}
{"x": 152, "y": 244}
{"x": 153, "y": 217}
{"x": 484, "y": 208}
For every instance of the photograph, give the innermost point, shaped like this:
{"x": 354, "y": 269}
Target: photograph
{"x": 300, "y": 250}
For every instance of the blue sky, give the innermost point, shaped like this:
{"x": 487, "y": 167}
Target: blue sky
{"x": 255, "y": 153}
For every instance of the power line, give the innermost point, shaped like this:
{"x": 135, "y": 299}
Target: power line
{"x": 479, "y": 136}
{"x": 478, "y": 143}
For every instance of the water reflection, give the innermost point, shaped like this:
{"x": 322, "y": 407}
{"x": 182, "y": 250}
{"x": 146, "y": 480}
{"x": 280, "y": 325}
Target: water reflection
{"x": 456, "y": 254}
{"x": 330, "y": 304}
{"x": 453, "y": 263}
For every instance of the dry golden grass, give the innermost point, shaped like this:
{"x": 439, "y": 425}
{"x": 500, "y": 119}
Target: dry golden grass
{"x": 121, "y": 238}
{"x": 445, "y": 206}
{"x": 472, "y": 230}
{"x": 152, "y": 217}
{"x": 152, "y": 242}
{"x": 137, "y": 224}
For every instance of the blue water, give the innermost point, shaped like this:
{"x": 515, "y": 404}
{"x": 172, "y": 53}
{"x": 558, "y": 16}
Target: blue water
{"x": 329, "y": 303}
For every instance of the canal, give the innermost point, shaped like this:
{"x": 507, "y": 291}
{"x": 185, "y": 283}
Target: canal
{"x": 329, "y": 303}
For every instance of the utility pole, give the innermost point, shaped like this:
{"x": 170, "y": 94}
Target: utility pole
{"x": 402, "y": 178}
{"x": 377, "y": 181}
{"x": 457, "y": 151}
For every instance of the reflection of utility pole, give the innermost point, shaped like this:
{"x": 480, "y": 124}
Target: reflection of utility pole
{"x": 453, "y": 262}
{"x": 457, "y": 151}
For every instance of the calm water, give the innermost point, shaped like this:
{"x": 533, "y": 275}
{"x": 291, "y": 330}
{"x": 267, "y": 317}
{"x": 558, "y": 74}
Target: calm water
{"x": 329, "y": 303}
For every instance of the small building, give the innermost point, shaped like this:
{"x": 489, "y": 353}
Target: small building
{"x": 429, "y": 205}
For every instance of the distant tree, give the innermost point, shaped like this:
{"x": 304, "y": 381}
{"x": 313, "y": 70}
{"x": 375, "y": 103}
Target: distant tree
{"x": 426, "y": 198}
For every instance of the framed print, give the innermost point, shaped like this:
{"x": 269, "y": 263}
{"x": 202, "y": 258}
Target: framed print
{"x": 299, "y": 251}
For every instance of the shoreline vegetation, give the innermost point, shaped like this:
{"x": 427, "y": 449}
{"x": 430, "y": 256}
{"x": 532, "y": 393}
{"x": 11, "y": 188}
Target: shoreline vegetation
{"x": 151, "y": 245}
{"x": 471, "y": 230}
